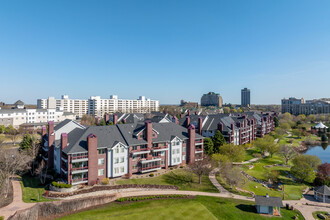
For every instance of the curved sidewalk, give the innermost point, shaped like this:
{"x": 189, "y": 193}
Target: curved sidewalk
{"x": 17, "y": 203}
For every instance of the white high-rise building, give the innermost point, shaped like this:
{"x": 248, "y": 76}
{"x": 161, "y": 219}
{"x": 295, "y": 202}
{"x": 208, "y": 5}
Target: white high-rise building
{"x": 98, "y": 107}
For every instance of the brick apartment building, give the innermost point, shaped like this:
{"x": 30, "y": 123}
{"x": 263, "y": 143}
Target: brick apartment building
{"x": 86, "y": 155}
{"x": 236, "y": 128}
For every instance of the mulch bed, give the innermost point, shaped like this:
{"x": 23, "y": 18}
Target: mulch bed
{"x": 50, "y": 194}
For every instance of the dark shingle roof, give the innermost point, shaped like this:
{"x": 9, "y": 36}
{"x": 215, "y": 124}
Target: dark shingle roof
{"x": 62, "y": 124}
{"x": 268, "y": 201}
{"x": 323, "y": 190}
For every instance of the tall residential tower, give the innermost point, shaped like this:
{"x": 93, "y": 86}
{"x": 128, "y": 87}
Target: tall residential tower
{"x": 245, "y": 97}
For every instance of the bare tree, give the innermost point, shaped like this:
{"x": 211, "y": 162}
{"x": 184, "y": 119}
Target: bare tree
{"x": 12, "y": 162}
{"x": 233, "y": 176}
{"x": 288, "y": 153}
{"x": 2, "y": 141}
{"x": 201, "y": 167}
{"x": 13, "y": 134}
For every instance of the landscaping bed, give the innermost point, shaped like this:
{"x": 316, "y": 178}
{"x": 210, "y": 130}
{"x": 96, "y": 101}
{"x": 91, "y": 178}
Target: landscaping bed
{"x": 50, "y": 194}
{"x": 155, "y": 197}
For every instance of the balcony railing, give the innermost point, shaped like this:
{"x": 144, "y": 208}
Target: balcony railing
{"x": 79, "y": 168}
{"x": 150, "y": 168}
{"x": 79, "y": 157}
{"x": 79, "y": 180}
{"x": 146, "y": 160}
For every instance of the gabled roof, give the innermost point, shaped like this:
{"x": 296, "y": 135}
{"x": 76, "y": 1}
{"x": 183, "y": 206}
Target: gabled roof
{"x": 268, "y": 201}
{"x": 323, "y": 190}
{"x": 320, "y": 125}
{"x": 19, "y": 102}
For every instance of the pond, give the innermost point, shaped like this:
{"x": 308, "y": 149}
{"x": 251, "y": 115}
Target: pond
{"x": 322, "y": 151}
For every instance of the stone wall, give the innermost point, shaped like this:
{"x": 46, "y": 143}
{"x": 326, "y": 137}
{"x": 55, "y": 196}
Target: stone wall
{"x": 49, "y": 210}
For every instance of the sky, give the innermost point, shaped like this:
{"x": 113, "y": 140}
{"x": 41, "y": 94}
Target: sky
{"x": 166, "y": 50}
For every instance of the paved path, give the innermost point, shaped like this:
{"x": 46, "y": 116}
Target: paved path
{"x": 246, "y": 162}
{"x": 306, "y": 210}
{"x": 17, "y": 203}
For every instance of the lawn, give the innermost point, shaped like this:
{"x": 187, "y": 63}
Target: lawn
{"x": 200, "y": 208}
{"x": 31, "y": 186}
{"x": 250, "y": 152}
{"x": 285, "y": 140}
{"x": 321, "y": 212}
{"x": 179, "y": 177}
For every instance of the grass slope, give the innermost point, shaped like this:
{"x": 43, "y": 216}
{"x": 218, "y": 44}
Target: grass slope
{"x": 200, "y": 208}
{"x": 178, "y": 177}
{"x": 31, "y": 186}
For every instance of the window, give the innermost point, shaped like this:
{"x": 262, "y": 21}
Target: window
{"x": 174, "y": 160}
{"x": 102, "y": 151}
{"x": 162, "y": 153}
{"x": 184, "y": 157}
{"x": 122, "y": 150}
{"x": 177, "y": 143}
{"x": 134, "y": 148}
{"x": 116, "y": 170}
{"x": 178, "y": 151}
{"x": 101, "y": 172}
{"x": 101, "y": 161}
{"x": 117, "y": 150}
{"x": 173, "y": 151}
{"x": 184, "y": 149}
{"x": 121, "y": 169}
{"x": 122, "y": 160}
{"x": 116, "y": 160}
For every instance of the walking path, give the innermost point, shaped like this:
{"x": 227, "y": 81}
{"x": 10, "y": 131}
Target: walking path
{"x": 17, "y": 203}
{"x": 306, "y": 210}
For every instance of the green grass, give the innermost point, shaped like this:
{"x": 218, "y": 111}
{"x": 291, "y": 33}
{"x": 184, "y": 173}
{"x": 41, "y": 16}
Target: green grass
{"x": 292, "y": 190}
{"x": 315, "y": 214}
{"x": 200, "y": 208}
{"x": 2, "y": 218}
{"x": 250, "y": 152}
{"x": 178, "y": 177}
{"x": 285, "y": 140}
{"x": 31, "y": 186}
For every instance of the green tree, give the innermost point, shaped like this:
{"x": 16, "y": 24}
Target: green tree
{"x": 26, "y": 143}
{"x": 208, "y": 146}
{"x": 272, "y": 148}
{"x": 102, "y": 122}
{"x": 297, "y": 132}
{"x": 2, "y": 129}
{"x": 285, "y": 125}
{"x": 235, "y": 153}
{"x": 311, "y": 118}
{"x": 276, "y": 122}
{"x": 110, "y": 123}
{"x": 304, "y": 166}
{"x": 218, "y": 140}
{"x": 226, "y": 110}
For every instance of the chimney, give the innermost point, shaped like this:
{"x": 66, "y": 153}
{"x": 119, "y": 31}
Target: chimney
{"x": 220, "y": 127}
{"x": 191, "y": 145}
{"x": 187, "y": 121}
{"x": 92, "y": 159}
{"x": 232, "y": 127}
{"x": 43, "y": 131}
{"x": 64, "y": 140}
{"x": 115, "y": 119}
{"x": 200, "y": 125}
{"x": 50, "y": 127}
{"x": 148, "y": 132}
{"x": 176, "y": 121}
{"x": 106, "y": 117}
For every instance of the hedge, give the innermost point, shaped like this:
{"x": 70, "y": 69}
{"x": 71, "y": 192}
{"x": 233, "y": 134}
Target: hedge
{"x": 61, "y": 185}
{"x": 150, "y": 197}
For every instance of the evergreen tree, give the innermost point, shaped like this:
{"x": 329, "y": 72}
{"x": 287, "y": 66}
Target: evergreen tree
{"x": 102, "y": 122}
{"x": 26, "y": 142}
{"x": 208, "y": 146}
{"x": 218, "y": 140}
{"x": 276, "y": 122}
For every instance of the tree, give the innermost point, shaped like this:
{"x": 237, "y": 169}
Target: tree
{"x": 311, "y": 118}
{"x": 263, "y": 143}
{"x": 2, "y": 141}
{"x": 200, "y": 167}
{"x": 31, "y": 146}
{"x": 234, "y": 176}
{"x": 276, "y": 122}
{"x": 226, "y": 110}
{"x": 279, "y": 131}
{"x": 2, "y": 129}
{"x": 102, "y": 122}
{"x": 218, "y": 140}
{"x": 233, "y": 110}
{"x": 12, "y": 162}
{"x": 235, "y": 153}
{"x": 304, "y": 166}
{"x": 272, "y": 176}
{"x": 272, "y": 148}
{"x": 323, "y": 175}
{"x": 301, "y": 117}
{"x": 285, "y": 125}
{"x": 13, "y": 134}
{"x": 288, "y": 153}
{"x": 222, "y": 161}
{"x": 297, "y": 132}
{"x": 322, "y": 118}
{"x": 208, "y": 146}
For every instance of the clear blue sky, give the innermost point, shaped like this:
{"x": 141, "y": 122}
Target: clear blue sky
{"x": 164, "y": 49}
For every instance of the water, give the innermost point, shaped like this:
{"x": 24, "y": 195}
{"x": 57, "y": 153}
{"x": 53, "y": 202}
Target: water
{"x": 323, "y": 152}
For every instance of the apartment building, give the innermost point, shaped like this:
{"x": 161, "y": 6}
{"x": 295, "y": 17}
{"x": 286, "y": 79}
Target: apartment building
{"x": 211, "y": 99}
{"x": 236, "y": 128}
{"x": 17, "y": 117}
{"x": 245, "y": 97}
{"x": 300, "y": 106}
{"x": 98, "y": 107}
{"x": 86, "y": 155}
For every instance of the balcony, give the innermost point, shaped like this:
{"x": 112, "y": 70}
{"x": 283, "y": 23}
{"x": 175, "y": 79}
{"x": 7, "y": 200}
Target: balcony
{"x": 79, "y": 158}
{"x": 159, "y": 148}
{"x": 145, "y": 160}
{"x": 198, "y": 151}
{"x": 79, "y": 181}
{"x": 141, "y": 151}
{"x": 149, "y": 169}
{"x": 79, "y": 170}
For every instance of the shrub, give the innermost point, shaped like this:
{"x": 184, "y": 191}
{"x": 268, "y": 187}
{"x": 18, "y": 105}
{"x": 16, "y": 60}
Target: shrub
{"x": 61, "y": 185}
{"x": 131, "y": 199}
{"x": 171, "y": 168}
{"x": 151, "y": 175}
{"x": 105, "y": 181}
{"x": 181, "y": 167}
{"x": 256, "y": 155}
{"x": 324, "y": 138}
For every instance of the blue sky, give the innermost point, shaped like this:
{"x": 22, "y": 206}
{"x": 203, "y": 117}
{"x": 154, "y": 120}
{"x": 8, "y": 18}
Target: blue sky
{"x": 164, "y": 49}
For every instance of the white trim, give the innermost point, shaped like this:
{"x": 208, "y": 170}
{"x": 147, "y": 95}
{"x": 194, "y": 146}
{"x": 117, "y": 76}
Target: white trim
{"x": 158, "y": 150}
{"x": 141, "y": 152}
{"x": 79, "y": 171}
{"x": 145, "y": 171}
{"x": 79, "y": 160}
{"x": 77, "y": 183}
{"x": 152, "y": 160}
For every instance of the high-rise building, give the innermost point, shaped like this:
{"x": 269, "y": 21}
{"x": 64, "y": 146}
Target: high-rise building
{"x": 98, "y": 107}
{"x": 299, "y": 106}
{"x": 245, "y": 97}
{"x": 211, "y": 99}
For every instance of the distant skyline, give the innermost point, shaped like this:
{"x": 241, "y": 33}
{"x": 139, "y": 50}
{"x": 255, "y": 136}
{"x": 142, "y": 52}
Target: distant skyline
{"x": 165, "y": 50}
